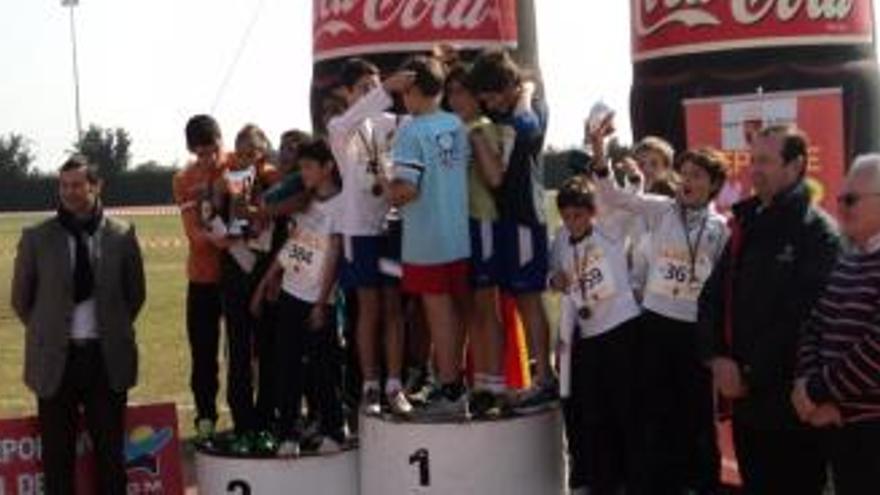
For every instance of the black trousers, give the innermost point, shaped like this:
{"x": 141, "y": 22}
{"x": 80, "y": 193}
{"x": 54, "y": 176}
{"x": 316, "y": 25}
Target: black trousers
{"x": 681, "y": 449}
{"x": 855, "y": 458}
{"x": 85, "y": 384}
{"x": 203, "y": 311}
{"x": 601, "y": 419}
{"x": 308, "y": 358}
{"x": 248, "y": 339}
{"x": 783, "y": 460}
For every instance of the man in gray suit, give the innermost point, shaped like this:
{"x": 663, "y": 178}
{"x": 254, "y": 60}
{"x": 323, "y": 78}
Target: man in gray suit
{"x": 78, "y": 287}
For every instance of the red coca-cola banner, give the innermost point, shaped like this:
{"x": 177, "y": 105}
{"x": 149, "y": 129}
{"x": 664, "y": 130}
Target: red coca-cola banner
{"x": 355, "y": 27}
{"x": 152, "y": 455}
{"x": 674, "y": 27}
{"x": 729, "y": 123}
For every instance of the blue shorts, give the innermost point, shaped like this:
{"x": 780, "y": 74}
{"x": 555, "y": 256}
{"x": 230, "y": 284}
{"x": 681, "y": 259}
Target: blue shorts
{"x": 485, "y": 269}
{"x": 523, "y": 254}
{"x": 370, "y": 261}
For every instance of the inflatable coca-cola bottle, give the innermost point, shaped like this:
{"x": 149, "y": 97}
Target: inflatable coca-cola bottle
{"x": 713, "y": 72}
{"x": 387, "y": 32}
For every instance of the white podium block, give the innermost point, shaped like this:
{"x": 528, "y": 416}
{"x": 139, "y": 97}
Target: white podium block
{"x": 335, "y": 474}
{"x": 517, "y": 456}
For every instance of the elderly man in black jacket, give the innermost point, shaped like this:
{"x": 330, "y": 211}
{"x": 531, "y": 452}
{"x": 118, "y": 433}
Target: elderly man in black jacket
{"x": 781, "y": 251}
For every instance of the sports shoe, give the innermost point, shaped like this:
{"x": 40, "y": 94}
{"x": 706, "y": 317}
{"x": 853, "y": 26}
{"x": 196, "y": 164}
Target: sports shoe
{"x": 265, "y": 443}
{"x": 288, "y": 448}
{"x": 539, "y": 398}
{"x": 205, "y": 430}
{"x": 329, "y": 446}
{"x": 441, "y": 407}
{"x": 485, "y": 405}
{"x": 399, "y": 404}
{"x": 372, "y": 402}
{"x": 241, "y": 444}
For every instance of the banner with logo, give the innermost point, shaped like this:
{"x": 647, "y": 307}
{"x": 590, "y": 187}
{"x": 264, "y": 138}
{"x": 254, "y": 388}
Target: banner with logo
{"x": 356, "y": 27}
{"x": 664, "y": 28}
{"x": 152, "y": 455}
{"x": 730, "y": 122}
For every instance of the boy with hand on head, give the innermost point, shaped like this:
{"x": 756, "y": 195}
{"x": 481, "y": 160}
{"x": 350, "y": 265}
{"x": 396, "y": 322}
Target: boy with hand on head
{"x": 193, "y": 191}
{"x": 598, "y": 338}
{"x": 499, "y": 84}
{"x": 360, "y": 138}
{"x": 306, "y": 325}
{"x": 429, "y": 184}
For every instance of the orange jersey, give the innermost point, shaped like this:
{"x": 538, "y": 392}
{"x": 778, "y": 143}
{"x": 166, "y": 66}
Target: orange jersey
{"x": 192, "y": 186}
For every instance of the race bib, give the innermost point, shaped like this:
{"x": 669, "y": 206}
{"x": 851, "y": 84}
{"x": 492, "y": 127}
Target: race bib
{"x": 671, "y": 277}
{"x": 303, "y": 255}
{"x": 595, "y": 278}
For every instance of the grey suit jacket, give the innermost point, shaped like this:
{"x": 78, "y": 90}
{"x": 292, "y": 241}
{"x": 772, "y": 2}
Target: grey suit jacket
{"x": 42, "y": 296}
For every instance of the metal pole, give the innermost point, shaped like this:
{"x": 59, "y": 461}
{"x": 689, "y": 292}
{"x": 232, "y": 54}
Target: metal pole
{"x": 79, "y": 130}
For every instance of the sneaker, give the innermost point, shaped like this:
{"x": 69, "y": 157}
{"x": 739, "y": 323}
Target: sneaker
{"x": 329, "y": 446}
{"x": 485, "y": 405}
{"x": 399, "y": 404}
{"x": 205, "y": 430}
{"x": 265, "y": 443}
{"x": 241, "y": 444}
{"x": 538, "y": 398}
{"x": 441, "y": 408}
{"x": 288, "y": 448}
{"x": 372, "y": 402}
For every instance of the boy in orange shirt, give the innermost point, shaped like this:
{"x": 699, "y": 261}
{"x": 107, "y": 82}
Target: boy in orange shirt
{"x": 193, "y": 190}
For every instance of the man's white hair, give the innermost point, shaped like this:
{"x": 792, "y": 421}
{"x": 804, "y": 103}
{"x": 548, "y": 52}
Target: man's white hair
{"x": 867, "y": 165}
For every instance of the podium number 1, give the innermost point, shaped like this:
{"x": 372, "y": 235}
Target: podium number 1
{"x": 423, "y": 459}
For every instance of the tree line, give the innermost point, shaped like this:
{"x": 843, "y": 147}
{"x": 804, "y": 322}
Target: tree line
{"x": 26, "y": 188}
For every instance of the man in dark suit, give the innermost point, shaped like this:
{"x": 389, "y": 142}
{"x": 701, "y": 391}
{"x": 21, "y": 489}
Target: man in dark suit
{"x": 781, "y": 250}
{"x": 78, "y": 287}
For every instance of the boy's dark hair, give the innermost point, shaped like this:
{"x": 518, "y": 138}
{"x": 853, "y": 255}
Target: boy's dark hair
{"x": 795, "y": 143}
{"x": 709, "y": 159}
{"x": 577, "y": 192}
{"x": 315, "y": 149}
{"x": 459, "y": 73}
{"x": 202, "y": 130}
{"x": 494, "y": 71}
{"x": 255, "y": 135}
{"x": 430, "y": 75}
{"x": 354, "y": 69}
{"x": 295, "y": 135}
{"x": 77, "y": 162}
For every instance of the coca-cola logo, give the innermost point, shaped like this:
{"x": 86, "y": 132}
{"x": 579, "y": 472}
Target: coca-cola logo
{"x": 336, "y": 17}
{"x": 652, "y": 16}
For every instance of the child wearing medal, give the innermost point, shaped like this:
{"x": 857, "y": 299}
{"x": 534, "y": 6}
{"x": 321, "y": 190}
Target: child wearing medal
{"x": 598, "y": 332}
{"x": 685, "y": 239}
{"x": 306, "y": 325}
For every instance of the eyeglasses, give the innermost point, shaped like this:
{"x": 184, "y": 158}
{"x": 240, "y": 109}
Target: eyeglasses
{"x": 850, "y": 200}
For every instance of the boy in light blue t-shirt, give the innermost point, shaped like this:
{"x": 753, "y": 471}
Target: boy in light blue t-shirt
{"x": 431, "y": 156}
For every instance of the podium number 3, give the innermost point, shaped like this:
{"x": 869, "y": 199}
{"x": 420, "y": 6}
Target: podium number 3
{"x": 423, "y": 459}
{"x": 238, "y": 487}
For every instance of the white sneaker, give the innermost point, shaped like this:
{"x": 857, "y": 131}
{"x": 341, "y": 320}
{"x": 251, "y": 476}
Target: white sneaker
{"x": 329, "y": 446}
{"x": 288, "y": 448}
{"x": 399, "y": 404}
{"x": 372, "y": 402}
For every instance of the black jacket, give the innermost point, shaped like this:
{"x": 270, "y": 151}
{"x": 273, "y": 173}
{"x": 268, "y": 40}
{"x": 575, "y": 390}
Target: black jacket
{"x": 787, "y": 252}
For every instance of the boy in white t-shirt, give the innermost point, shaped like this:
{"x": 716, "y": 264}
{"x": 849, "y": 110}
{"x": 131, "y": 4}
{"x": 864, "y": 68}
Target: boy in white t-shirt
{"x": 306, "y": 326}
{"x": 598, "y": 341}
{"x": 360, "y": 138}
